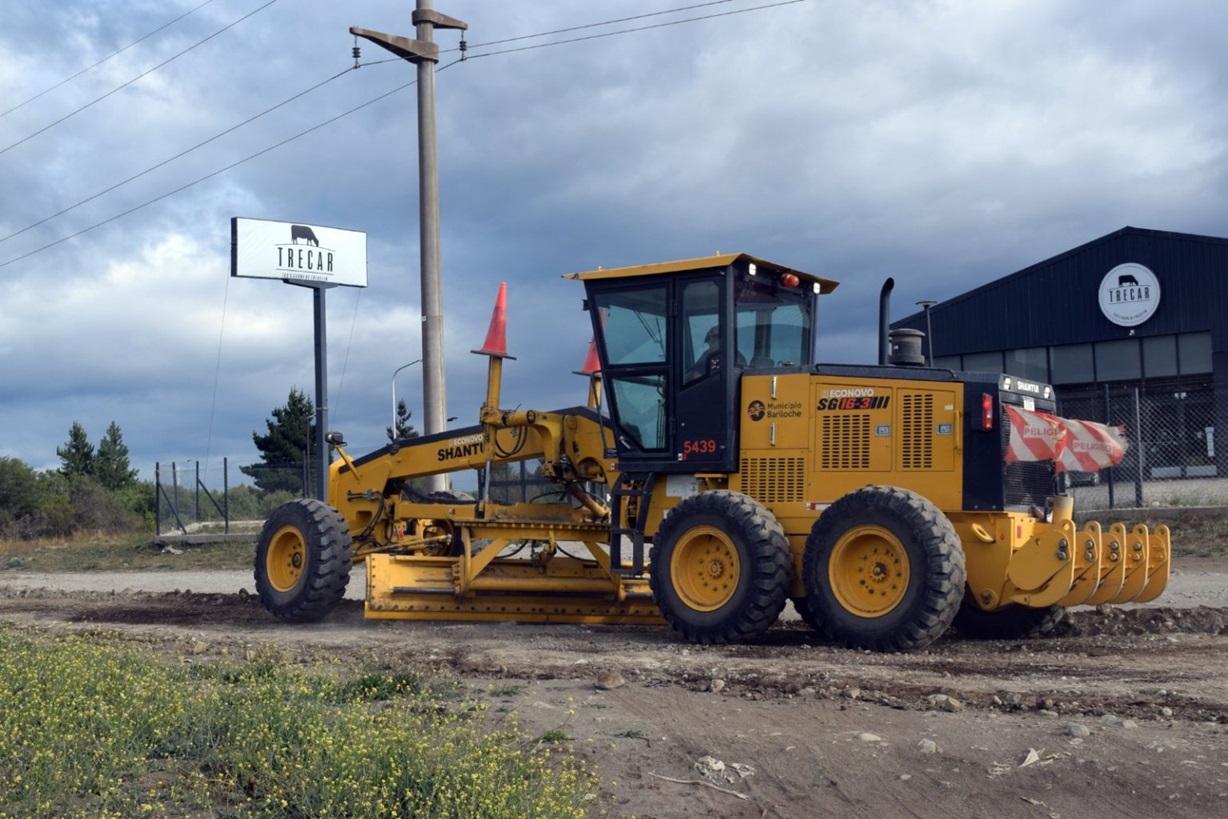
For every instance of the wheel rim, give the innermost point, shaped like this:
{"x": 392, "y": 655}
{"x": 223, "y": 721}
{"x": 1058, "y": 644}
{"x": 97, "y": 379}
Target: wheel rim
{"x": 286, "y": 558}
{"x": 705, "y": 568}
{"x": 869, "y": 571}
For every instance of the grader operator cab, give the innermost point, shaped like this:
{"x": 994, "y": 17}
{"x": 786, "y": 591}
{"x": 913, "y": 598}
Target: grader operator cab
{"x": 716, "y": 474}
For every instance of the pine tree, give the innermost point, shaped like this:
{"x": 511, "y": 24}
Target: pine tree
{"x": 405, "y": 429}
{"x": 111, "y": 465}
{"x": 77, "y": 455}
{"x": 285, "y": 451}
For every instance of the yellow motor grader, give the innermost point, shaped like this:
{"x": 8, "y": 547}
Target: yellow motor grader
{"x": 716, "y": 473}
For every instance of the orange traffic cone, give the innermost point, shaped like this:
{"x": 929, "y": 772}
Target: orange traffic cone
{"x": 592, "y": 366}
{"x": 496, "y": 336}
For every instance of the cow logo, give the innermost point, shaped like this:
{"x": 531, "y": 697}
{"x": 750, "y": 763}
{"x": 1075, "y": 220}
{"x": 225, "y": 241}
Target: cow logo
{"x": 756, "y": 410}
{"x": 1129, "y": 294}
{"x": 302, "y": 258}
{"x": 305, "y": 233}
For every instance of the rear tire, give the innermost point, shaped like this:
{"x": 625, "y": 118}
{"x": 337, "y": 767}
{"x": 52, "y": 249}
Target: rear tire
{"x": 802, "y": 607}
{"x": 721, "y": 568}
{"x": 1010, "y": 623}
{"x": 303, "y": 560}
{"x": 883, "y": 570}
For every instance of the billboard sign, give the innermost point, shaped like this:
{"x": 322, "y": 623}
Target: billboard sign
{"x": 298, "y": 253}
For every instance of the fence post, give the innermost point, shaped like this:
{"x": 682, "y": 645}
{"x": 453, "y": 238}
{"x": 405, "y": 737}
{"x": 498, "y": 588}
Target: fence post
{"x": 1138, "y": 481}
{"x": 175, "y": 488}
{"x": 196, "y": 495}
{"x": 226, "y": 493}
{"x": 1108, "y": 419}
{"x": 157, "y": 498}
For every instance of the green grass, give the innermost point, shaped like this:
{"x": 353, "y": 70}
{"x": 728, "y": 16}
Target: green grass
{"x": 1204, "y": 535}
{"x": 93, "y": 727}
{"x": 131, "y": 553}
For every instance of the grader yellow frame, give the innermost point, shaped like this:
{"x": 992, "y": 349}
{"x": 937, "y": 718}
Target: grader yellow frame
{"x": 875, "y": 498}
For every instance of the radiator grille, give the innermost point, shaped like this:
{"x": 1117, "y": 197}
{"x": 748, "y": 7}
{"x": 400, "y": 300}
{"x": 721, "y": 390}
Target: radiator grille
{"x": 846, "y": 442}
{"x": 918, "y": 436}
{"x": 775, "y": 480}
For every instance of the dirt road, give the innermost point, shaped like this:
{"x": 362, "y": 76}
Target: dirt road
{"x": 1122, "y": 713}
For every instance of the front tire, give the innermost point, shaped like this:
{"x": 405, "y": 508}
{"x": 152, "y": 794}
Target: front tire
{"x": 884, "y": 570}
{"x": 303, "y": 560}
{"x": 721, "y": 568}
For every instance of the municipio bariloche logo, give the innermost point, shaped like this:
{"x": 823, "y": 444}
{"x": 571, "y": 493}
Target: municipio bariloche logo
{"x": 1129, "y": 294}
{"x": 307, "y": 260}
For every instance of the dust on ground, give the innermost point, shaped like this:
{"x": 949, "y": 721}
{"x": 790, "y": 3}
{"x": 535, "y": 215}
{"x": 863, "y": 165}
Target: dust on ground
{"x": 1122, "y": 712}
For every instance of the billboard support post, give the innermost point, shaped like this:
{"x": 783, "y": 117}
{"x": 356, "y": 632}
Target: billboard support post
{"x": 321, "y": 350}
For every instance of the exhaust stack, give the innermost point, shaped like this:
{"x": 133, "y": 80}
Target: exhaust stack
{"x": 884, "y": 322}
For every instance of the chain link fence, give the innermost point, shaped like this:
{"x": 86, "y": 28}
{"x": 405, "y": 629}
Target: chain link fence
{"x": 1172, "y": 459}
{"x": 195, "y": 497}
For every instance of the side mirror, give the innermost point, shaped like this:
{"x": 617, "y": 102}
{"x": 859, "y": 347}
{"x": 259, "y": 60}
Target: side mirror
{"x": 334, "y": 439}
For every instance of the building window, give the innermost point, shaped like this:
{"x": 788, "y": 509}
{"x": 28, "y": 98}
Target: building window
{"x": 1118, "y": 360}
{"x": 947, "y": 362}
{"x": 1032, "y": 363}
{"x": 1160, "y": 356}
{"x": 1194, "y": 353}
{"x": 1072, "y": 364}
{"x": 983, "y": 362}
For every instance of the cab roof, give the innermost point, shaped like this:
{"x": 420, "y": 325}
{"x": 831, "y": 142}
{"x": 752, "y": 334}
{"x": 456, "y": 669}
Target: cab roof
{"x": 700, "y": 263}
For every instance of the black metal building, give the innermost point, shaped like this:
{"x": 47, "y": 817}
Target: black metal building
{"x": 1130, "y": 328}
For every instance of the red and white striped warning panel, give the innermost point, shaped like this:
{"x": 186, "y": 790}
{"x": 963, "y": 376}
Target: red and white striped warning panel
{"x": 1035, "y": 436}
{"x": 1076, "y": 446}
{"x": 1089, "y": 446}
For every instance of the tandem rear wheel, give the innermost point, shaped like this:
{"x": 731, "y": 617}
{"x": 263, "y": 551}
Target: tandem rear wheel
{"x": 721, "y": 568}
{"x": 303, "y": 560}
{"x": 883, "y": 569}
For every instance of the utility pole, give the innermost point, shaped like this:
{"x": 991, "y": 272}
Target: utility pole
{"x": 424, "y": 52}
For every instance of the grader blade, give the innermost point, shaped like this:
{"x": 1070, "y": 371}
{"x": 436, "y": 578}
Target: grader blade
{"x": 419, "y": 588}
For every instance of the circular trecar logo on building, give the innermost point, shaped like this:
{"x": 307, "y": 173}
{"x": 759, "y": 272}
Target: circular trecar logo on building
{"x": 1129, "y": 294}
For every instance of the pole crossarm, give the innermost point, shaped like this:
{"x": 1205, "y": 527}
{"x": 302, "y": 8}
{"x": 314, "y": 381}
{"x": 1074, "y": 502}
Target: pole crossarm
{"x": 415, "y": 51}
{"x": 437, "y": 19}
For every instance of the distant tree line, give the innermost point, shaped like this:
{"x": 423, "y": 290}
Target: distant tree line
{"x": 94, "y": 490}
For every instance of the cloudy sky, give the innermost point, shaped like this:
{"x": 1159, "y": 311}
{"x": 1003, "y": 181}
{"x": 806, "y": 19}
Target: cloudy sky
{"x": 942, "y": 142}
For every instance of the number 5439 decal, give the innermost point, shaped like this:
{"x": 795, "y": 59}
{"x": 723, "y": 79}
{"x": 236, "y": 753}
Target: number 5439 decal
{"x": 700, "y": 446}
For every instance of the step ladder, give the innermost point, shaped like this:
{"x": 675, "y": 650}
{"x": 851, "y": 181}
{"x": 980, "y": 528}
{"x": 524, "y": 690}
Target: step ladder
{"x": 635, "y": 486}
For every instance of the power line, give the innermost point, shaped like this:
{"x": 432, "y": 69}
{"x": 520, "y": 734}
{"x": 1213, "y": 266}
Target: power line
{"x": 182, "y": 153}
{"x": 218, "y": 172}
{"x": 134, "y": 79}
{"x": 636, "y": 29}
{"x": 360, "y": 107}
{"x": 596, "y": 25}
{"x": 104, "y": 59}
